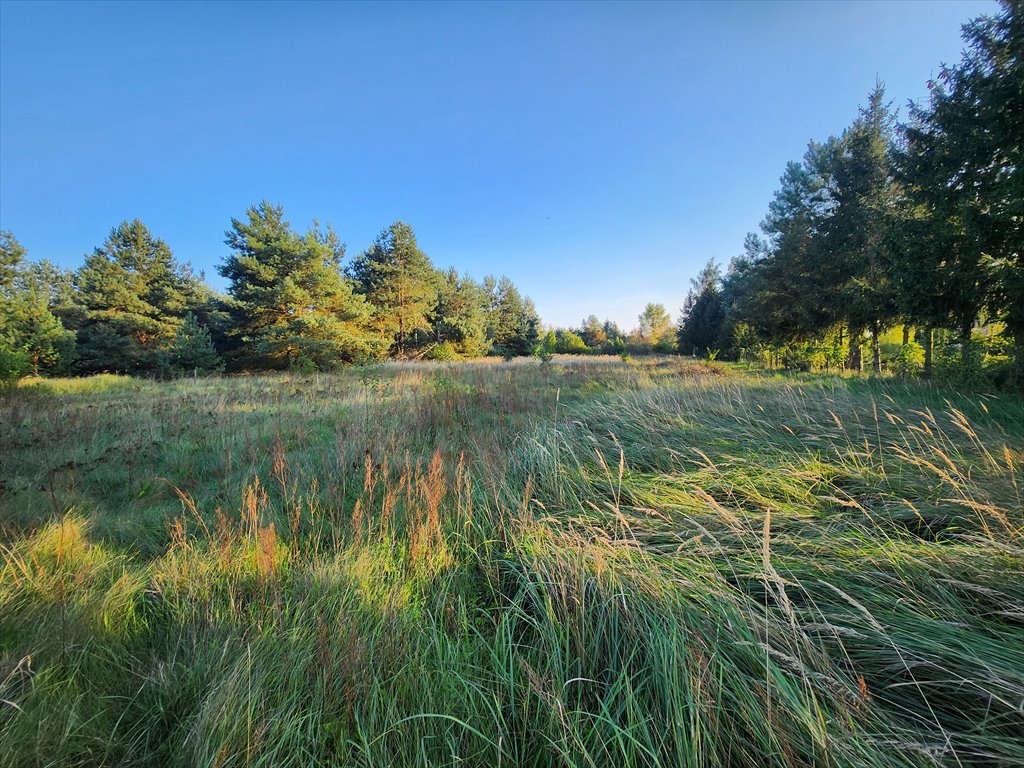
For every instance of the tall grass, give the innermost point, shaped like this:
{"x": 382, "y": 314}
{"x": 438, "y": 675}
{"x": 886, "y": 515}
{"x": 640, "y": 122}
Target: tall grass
{"x": 588, "y": 563}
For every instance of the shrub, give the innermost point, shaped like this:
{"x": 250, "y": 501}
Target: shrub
{"x": 798, "y": 356}
{"x": 570, "y": 343}
{"x": 13, "y": 362}
{"x": 908, "y": 360}
{"x": 443, "y": 352}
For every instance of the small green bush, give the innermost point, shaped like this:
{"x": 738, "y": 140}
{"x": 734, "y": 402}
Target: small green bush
{"x": 443, "y": 352}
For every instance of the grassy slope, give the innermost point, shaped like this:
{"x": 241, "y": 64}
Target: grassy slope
{"x": 591, "y": 563}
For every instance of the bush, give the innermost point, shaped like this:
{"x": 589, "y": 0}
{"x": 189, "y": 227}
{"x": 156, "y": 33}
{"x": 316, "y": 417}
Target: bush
{"x": 908, "y": 359}
{"x": 956, "y": 366}
{"x": 570, "y": 343}
{"x": 442, "y": 353}
{"x": 666, "y": 345}
{"x": 798, "y": 356}
{"x": 192, "y": 351}
{"x": 13, "y": 362}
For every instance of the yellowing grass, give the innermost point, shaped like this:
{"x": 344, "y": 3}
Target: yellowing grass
{"x": 589, "y": 563}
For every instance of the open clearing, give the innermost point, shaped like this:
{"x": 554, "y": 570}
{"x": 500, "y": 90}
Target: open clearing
{"x": 585, "y": 563}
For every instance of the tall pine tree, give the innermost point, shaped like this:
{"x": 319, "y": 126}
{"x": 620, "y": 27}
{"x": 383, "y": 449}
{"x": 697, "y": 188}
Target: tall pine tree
{"x": 292, "y": 305}
{"x": 133, "y": 296}
{"x": 401, "y": 284}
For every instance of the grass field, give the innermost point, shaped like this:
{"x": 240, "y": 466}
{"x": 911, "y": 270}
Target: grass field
{"x": 585, "y": 563}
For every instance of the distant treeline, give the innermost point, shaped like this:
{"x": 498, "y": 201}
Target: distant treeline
{"x": 899, "y": 240}
{"x": 133, "y": 308}
{"x": 915, "y": 227}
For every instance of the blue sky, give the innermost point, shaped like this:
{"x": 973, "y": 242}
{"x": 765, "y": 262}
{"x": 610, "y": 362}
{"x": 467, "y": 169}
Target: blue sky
{"x": 597, "y": 153}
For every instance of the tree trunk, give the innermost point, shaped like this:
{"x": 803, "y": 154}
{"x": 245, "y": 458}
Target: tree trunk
{"x": 1018, "y": 362}
{"x": 876, "y": 352}
{"x": 928, "y": 343}
{"x": 965, "y": 342}
{"x": 906, "y": 335}
{"x": 853, "y": 360}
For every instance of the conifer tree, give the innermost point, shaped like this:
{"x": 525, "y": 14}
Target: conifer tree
{"x": 859, "y": 224}
{"x": 399, "y": 281}
{"x": 192, "y": 349}
{"x": 964, "y": 168}
{"x": 293, "y": 307}
{"x": 34, "y": 339}
{"x": 459, "y": 317}
{"x": 700, "y": 323}
{"x": 515, "y": 321}
{"x": 12, "y": 253}
{"x": 132, "y": 296}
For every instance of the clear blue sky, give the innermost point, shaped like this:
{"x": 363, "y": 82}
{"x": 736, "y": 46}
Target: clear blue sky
{"x": 597, "y": 153}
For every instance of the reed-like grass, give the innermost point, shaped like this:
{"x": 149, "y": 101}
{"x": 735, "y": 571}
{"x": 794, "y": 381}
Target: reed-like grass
{"x": 586, "y": 563}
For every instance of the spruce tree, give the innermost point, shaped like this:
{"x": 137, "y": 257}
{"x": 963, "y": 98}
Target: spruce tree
{"x": 700, "y": 324}
{"x": 34, "y": 339}
{"x": 860, "y": 222}
{"x": 964, "y": 169}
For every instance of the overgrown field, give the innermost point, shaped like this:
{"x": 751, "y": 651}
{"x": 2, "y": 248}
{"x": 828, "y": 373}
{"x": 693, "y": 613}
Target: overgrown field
{"x": 584, "y": 563}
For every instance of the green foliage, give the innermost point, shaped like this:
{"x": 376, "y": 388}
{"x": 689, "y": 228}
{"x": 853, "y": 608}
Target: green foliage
{"x": 513, "y": 321}
{"x": 444, "y": 352}
{"x": 594, "y": 333}
{"x": 655, "y": 325}
{"x": 908, "y": 360}
{"x": 293, "y": 307}
{"x": 702, "y": 321}
{"x": 14, "y": 362}
{"x": 570, "y": 344}
{"x": 546, "y": 347}
{"x": 35, "y": 338}
{"x": 797, "y": 356}
{"x": 30, "y": 326}
{"x": 192, "y": 349}
{"x": 132, "y": 296}
{"x": 400, "y": 283}
{"x": 12, "y": 253}
{"x": 459, "y": 319}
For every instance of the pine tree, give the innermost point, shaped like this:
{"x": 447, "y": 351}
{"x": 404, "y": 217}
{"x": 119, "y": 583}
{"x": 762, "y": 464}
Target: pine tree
{"x": 293, "y": 307}
{"x": 132, "y": 296}
{"x": 399, "y": 281}
{"x": 12, "y": 253}
{"x": 459, "y": 317}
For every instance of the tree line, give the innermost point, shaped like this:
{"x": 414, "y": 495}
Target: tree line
{"x": 898, "y": 242}
{"x": 915, "y": 228}
{"x": 291, "y": 303}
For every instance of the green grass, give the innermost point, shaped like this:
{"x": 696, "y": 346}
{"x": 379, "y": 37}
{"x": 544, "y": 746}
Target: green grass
{"x": 588, "y": 563}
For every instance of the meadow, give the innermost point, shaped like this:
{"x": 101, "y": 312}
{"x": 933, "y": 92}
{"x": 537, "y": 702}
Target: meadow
{"x": 585, "y": 562}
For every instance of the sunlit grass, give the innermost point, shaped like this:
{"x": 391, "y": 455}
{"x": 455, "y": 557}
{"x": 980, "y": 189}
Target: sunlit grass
{"x": 586, "y": 563}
